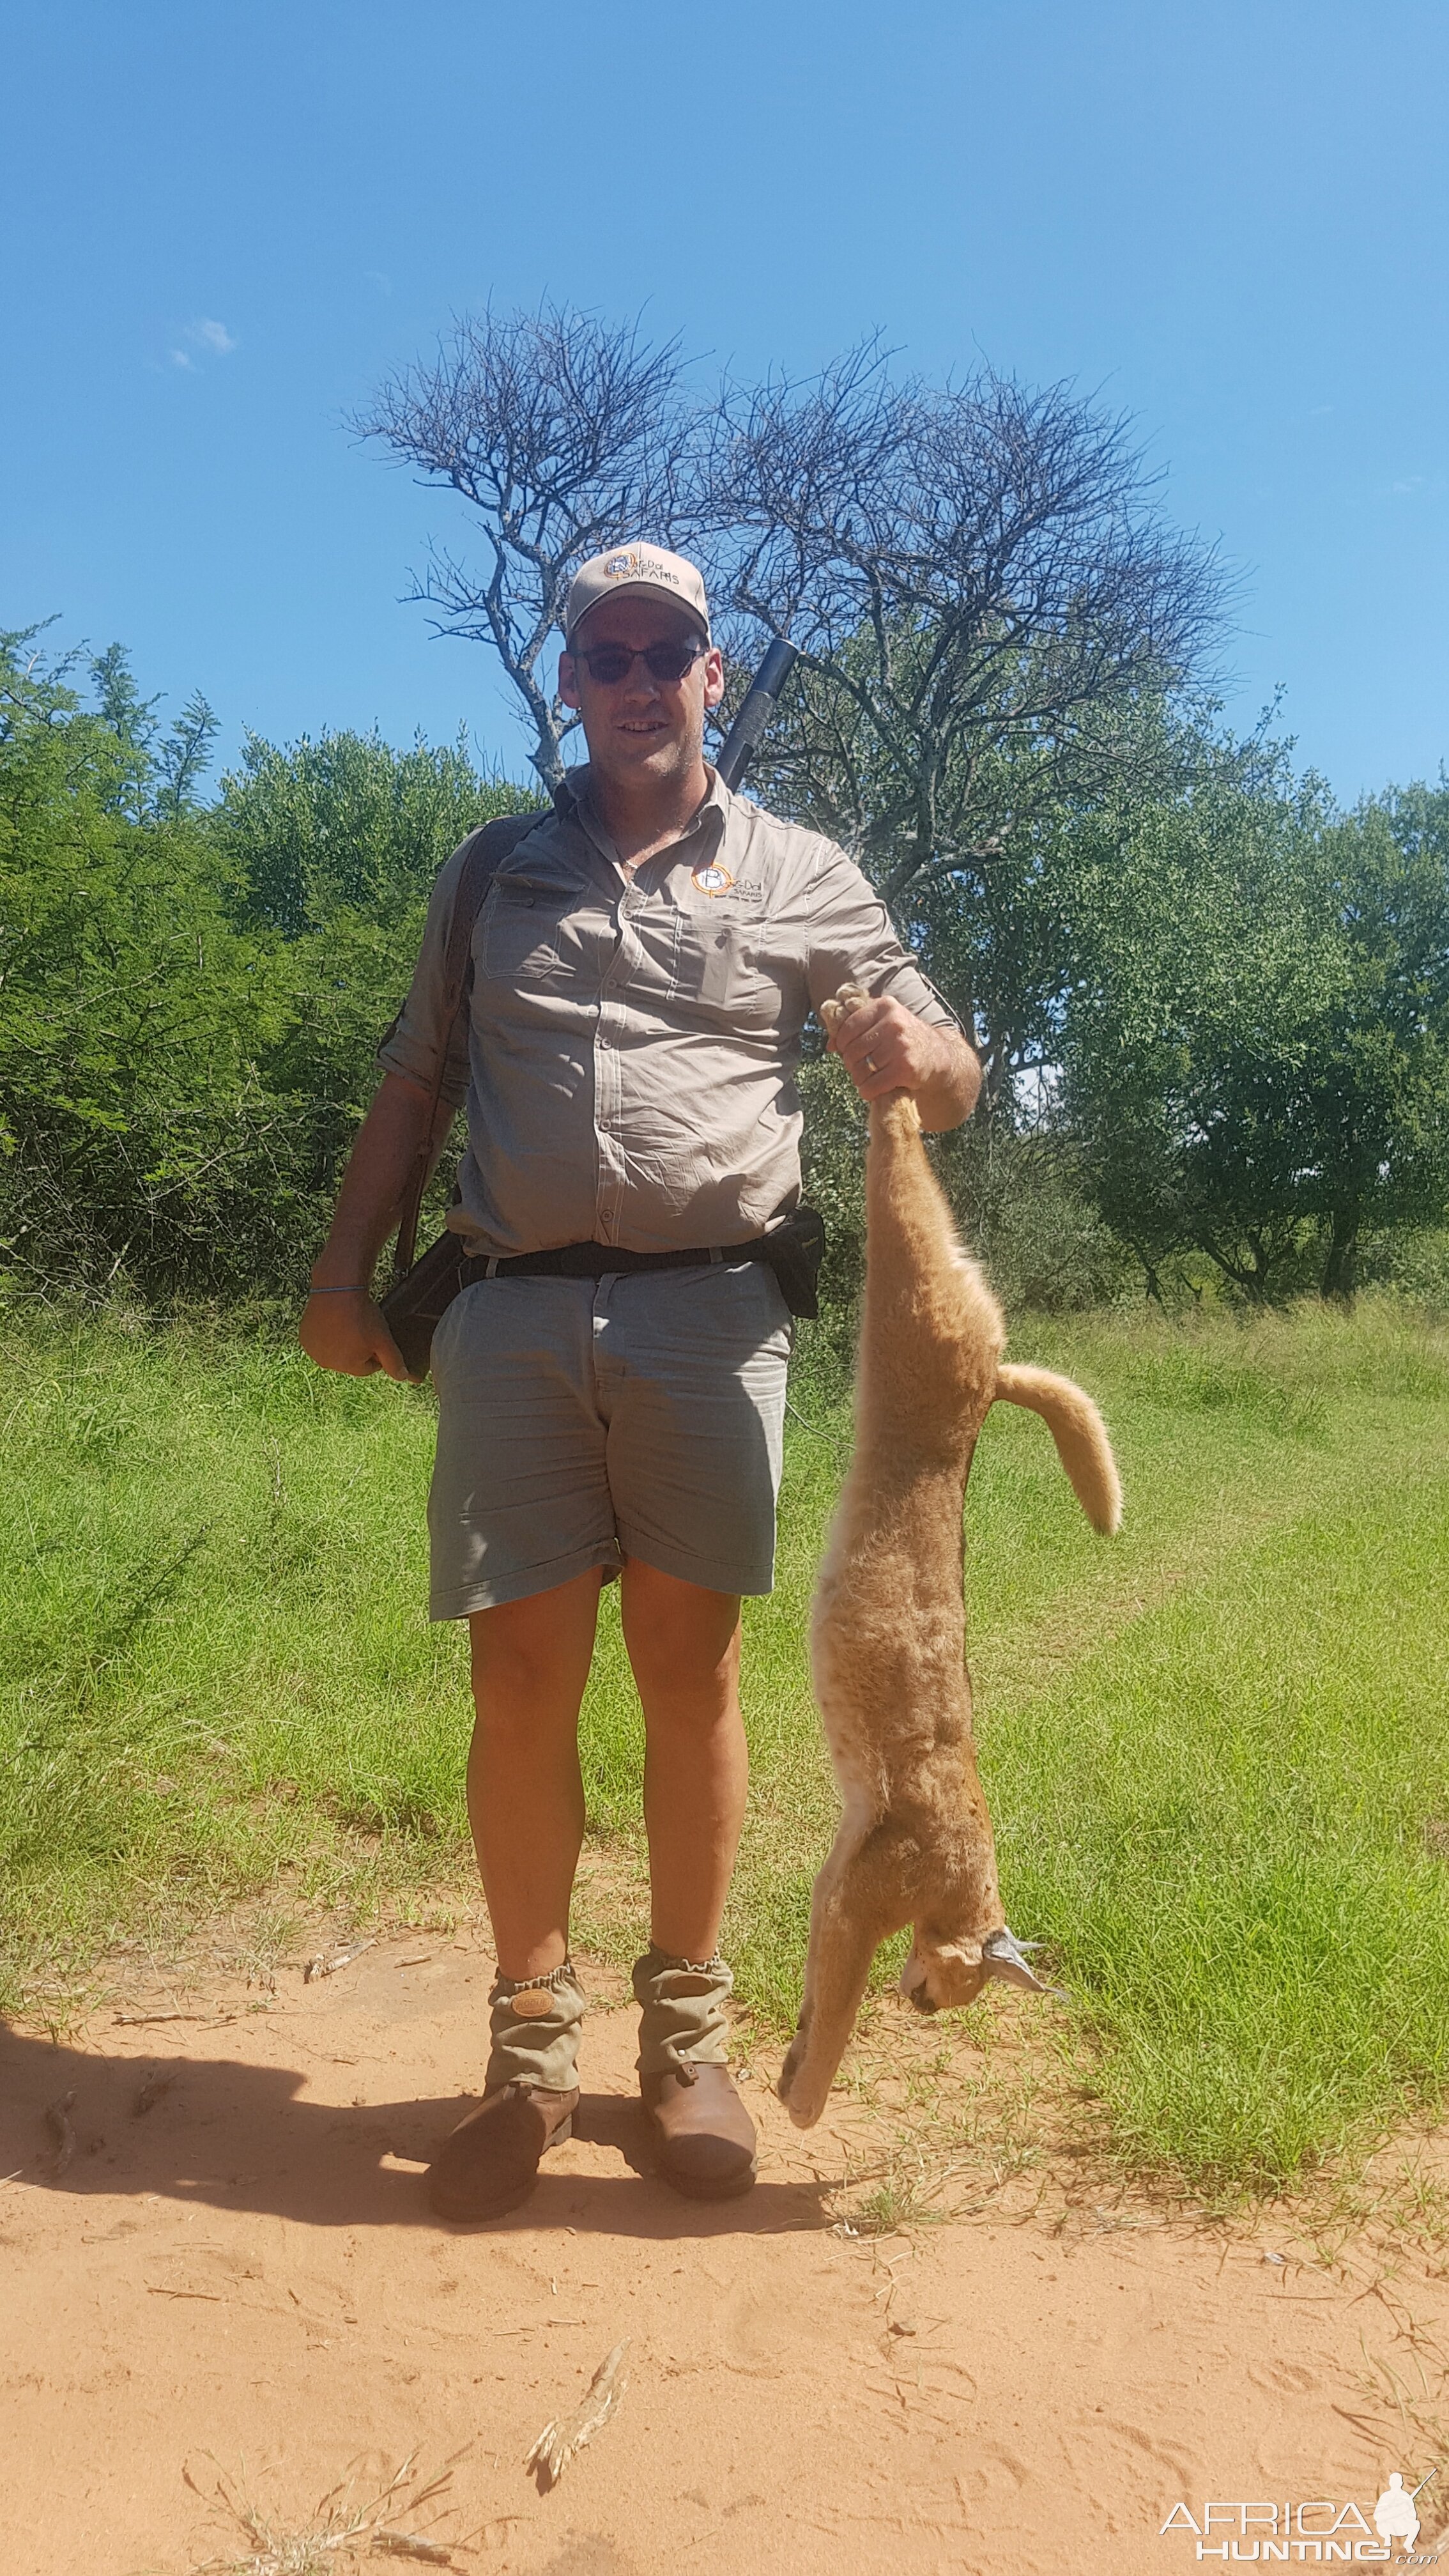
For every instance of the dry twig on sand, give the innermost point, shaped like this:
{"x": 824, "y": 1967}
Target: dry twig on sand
{"x": 338, "y": 2523}
{"x": 323, "y": 1966}
{"x": 557, "y": 2443}
{"x": 57, "y": 2120}
{"x": 173, "y": 2012}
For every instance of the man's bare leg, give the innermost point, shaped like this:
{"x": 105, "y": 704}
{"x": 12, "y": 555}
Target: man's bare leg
{"x": 525, "y": 1793}
{"x": 526, "y": 1806}
{"x": 684, "y": 1646}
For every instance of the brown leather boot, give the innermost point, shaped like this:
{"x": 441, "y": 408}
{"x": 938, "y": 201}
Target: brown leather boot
{"x": 490, "y": 2163}
{"x": 704, "y": 2138}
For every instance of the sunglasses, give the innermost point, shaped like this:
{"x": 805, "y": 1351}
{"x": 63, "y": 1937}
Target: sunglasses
{"x": 608, "y": 664}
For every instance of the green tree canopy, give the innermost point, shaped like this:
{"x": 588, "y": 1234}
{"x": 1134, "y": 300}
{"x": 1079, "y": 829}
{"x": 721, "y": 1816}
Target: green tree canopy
{"x": 1256, "y": 1043}
{"x": 191, "y": 1001}
{"x": 346, "y": 824}
{"x": 133, "y": 1015}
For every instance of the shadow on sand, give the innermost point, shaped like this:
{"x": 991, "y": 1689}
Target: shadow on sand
{"x": 216, "y": 2132}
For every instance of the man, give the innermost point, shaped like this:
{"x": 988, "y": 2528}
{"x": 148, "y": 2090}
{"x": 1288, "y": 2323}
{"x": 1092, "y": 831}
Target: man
{"x": 644, "y": 963}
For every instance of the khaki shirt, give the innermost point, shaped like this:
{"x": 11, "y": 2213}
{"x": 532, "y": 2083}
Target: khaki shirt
{"x": 632, "y": 1049}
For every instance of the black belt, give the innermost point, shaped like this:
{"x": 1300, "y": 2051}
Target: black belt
{"x": 601, "y": 1260}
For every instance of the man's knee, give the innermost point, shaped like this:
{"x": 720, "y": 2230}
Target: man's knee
{"x": 524, "y": 1652}
{"x": 681, "y": 1638}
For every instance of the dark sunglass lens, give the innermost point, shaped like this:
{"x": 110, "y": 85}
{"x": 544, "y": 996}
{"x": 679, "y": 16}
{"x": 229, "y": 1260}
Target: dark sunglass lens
{"x": 669, "y": 661}
{"x": 608, "y": 664}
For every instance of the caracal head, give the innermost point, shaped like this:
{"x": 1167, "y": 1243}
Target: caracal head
{"x": 942, "y": 1976}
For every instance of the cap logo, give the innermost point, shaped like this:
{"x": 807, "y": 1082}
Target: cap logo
{"x": 636, "y": 567}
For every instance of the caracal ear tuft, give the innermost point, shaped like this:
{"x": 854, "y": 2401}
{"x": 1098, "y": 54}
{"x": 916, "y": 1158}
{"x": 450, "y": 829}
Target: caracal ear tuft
{"x": 1002, "y": 1955}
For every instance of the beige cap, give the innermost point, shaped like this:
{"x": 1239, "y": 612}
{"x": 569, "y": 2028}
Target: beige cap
{"x": 630, "y": 568}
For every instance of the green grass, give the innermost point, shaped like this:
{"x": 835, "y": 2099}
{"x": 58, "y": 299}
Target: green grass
{"x": 1213, "y": 1747}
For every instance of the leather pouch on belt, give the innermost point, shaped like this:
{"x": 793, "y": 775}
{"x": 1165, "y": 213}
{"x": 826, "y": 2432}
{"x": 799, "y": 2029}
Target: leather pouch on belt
{"x": 794, "y": 1251}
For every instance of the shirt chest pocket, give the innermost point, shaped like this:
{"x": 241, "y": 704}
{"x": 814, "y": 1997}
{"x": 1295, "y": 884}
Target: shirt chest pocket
{"x": 523, "y": 931}
{"x": 721, "y": 964}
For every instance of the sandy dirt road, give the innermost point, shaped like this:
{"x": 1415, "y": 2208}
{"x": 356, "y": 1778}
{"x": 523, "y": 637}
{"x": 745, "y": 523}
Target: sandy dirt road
{"x": 236, "y": 2266}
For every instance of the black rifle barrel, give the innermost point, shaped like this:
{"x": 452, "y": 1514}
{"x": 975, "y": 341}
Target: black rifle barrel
{"x": 742, "y": 741}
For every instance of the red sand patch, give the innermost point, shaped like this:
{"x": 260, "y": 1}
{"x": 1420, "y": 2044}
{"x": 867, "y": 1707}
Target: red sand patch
{"x": 246, "y": 2268}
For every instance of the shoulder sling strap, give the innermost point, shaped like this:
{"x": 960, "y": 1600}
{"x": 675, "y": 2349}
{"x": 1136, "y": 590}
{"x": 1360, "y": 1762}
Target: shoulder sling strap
{"x": 485, "y": 851}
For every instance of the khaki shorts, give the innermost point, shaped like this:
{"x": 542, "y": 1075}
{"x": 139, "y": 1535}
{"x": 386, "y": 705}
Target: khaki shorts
{"x": 581, "y": 1421}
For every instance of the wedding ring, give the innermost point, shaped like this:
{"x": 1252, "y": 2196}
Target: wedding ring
{"x": 870, "y": 1065}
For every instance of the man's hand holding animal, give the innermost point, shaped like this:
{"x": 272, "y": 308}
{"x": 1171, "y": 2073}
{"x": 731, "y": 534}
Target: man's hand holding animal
{"x": 885, "y": 1048}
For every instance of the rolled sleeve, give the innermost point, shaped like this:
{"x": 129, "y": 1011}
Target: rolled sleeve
{"x": 852, "y": 942}
{"x": 410, "y": 1046}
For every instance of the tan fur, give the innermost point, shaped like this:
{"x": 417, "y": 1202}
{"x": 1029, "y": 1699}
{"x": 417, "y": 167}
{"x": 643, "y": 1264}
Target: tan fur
{"x": 888, "y": 1627}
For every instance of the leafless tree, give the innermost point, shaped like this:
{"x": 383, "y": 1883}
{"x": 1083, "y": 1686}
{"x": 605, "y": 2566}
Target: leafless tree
{"x": 565, "y": 435}
{"x": 977, "y": 580}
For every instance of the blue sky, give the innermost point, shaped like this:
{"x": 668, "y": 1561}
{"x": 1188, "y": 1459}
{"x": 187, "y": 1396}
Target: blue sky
{"x": 224, "y": 223}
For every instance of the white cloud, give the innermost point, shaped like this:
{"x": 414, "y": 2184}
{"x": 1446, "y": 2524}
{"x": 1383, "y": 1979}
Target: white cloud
{"x": 200, "y": 340}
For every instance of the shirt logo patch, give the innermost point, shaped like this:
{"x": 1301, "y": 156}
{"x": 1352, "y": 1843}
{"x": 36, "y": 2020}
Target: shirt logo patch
{"x": 712, "y": 880}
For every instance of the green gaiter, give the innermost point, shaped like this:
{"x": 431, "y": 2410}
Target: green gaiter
{"x": 683, "y": 2018}
{"x": 535, "y": 2023}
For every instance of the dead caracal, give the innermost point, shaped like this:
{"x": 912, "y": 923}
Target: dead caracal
{"x": 888, "y": 1626}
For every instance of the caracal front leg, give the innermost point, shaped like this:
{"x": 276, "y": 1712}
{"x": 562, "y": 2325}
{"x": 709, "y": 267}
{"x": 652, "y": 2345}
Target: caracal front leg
{"x": 850, "y": 1915}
